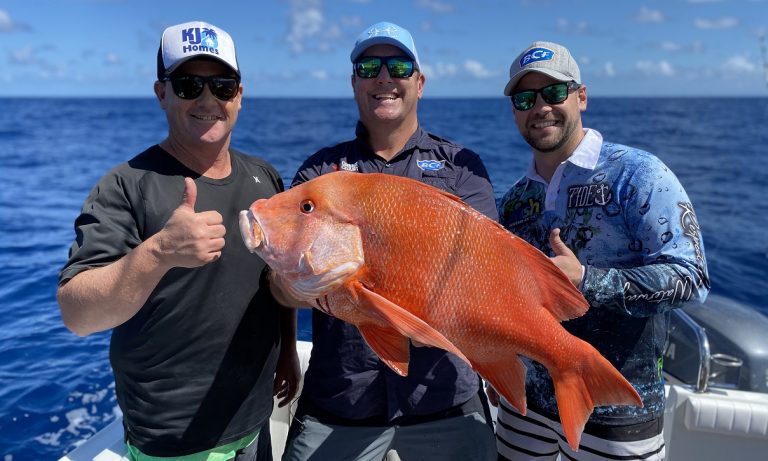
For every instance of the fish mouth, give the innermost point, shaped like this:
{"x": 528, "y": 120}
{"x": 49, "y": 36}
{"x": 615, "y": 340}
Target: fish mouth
{"x": 251, "y": 231}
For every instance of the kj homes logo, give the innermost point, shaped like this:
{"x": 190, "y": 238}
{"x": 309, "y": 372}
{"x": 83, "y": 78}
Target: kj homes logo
{"x": 200, "y": 39}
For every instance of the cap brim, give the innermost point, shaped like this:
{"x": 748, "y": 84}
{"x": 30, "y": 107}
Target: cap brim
{"x": 381, "y": 40}
{"x": 552, "y": 73}
{"x": 201, "y": 57}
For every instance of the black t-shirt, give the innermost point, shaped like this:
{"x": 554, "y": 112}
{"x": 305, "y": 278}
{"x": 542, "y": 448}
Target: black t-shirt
{"x": 194, "y": 367}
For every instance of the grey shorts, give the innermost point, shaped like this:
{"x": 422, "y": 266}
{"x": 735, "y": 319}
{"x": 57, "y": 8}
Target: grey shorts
{"x": 459, "y": 438}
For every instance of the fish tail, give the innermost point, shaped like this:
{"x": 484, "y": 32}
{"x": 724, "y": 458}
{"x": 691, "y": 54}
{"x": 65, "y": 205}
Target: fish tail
{"x": 594, "y": 382}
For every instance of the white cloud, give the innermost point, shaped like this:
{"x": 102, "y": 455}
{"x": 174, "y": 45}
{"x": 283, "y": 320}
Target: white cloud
{"x": 111, "y": 58}
{"x": 439, "y": 70}
{"x": 355, "y": 22}
{"x": 24, "y": 56}
{"x": 476, "y": 69}
{"x": 564, "y": 26}
{"x": 725, "y": 22}
{"x": 305, "y": 23}
{"x": 7, "y": 24}
{"x": 666, "y": 69}
{"x": 608, "y": 69}
{"x": 319, "y": 74}
{"x": 310, "y": 31}
{"x": 671, "y": 46}
{"x": 649, "y": 15}
{"x": 662, "y": 68}
{"x": 739, "y": 65}
{"x": 436, "y": 6}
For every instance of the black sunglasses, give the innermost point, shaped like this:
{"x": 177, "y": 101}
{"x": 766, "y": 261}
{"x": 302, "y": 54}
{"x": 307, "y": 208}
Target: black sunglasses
{"x": 551, "y": 94}
{"x": 191, "y": 86}
{"x": 397, "y": 66}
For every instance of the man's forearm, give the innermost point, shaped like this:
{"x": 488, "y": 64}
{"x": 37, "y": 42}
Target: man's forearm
{"x": 105, "y": 297}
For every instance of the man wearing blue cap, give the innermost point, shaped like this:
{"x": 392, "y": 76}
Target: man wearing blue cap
{"x": 353, "y": 407}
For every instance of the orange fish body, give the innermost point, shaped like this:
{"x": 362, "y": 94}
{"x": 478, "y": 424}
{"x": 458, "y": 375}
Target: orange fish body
{"x": 419, "y": 263}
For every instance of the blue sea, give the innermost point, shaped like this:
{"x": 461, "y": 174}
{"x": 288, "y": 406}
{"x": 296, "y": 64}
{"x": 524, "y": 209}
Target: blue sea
{"x": 57, "y": 389}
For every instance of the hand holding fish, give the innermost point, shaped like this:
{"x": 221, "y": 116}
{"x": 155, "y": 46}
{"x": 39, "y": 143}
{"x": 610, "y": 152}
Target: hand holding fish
{"x": 565, "y": 259}
{"x": 191, "y": 239}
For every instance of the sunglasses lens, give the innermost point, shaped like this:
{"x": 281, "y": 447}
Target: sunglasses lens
{"x": 524, "y": 100}
{"x": 400, "y": 67}
{"x": 223, "y": 88}
{"x": 368, "y": 67}
{"x": 187, "y": 86}
{"x": 554, "y": 94}
{"x": 191, "y": 86}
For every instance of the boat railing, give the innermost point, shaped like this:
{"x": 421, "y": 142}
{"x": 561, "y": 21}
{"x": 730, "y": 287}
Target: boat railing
{"x": 680, "y": 320}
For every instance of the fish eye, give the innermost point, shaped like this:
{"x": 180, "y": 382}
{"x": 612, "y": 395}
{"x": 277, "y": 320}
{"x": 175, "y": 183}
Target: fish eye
{"x": 307, "y": 206}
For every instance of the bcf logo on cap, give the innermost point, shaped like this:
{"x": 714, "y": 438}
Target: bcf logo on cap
{"x": 535, "y": 55}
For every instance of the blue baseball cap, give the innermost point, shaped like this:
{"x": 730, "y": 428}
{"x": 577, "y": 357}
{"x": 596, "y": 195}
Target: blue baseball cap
{"x": 388, "y": 34}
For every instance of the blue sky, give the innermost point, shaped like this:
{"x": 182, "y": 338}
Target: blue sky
{"x": 300, "y": 48}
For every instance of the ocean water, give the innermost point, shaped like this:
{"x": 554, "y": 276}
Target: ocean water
{"x": 57, "y": 389}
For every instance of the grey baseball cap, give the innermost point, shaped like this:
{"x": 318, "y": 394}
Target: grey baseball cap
{"x": 547, "y": 58}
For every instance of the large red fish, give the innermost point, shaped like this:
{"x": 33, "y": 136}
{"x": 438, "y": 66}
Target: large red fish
{"x": 410, "y": 261}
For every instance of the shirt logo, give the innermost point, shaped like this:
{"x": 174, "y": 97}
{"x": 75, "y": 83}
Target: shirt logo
{"x": 589, "y": 195}
{"x": 430, "y": 165}
{"x": 197, "y": 39}
{"x": 535, "y": 55}
{"x": 256, "y": 178}
{"x": 349, "y": 166}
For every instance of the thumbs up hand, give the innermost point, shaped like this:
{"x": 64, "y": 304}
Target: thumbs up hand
{"x": 565, "y": 259}
{"x": 191, "y": 239}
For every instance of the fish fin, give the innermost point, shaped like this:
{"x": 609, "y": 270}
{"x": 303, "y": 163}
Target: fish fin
{"x": 508, "y": 380}
{"x": 579, "y": 389}
{"x": 559, "y": 296}
{"x": 404, "y": 322}
{"x": 391, "y": 347}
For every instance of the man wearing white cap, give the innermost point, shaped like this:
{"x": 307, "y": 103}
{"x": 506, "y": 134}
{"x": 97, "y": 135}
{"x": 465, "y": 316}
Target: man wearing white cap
{"x": 158, "y": 259}
{"x": 353, "y": 407}
{"x": 618, "y": 223}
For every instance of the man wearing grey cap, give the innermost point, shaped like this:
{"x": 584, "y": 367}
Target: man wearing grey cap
{"x": 353, "y": 407}
{"x": 158, "y": 260}
{"x": 619, "y": 224}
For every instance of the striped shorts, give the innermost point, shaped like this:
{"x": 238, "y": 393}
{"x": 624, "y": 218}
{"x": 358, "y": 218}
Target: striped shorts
{"x": 536, "y": 437}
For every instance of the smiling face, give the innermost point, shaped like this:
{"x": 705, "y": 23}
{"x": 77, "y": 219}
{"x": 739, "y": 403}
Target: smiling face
{"x": 384, "y": 100}
{"x": 205, "y": 120}
{"x": 551, "y": 128}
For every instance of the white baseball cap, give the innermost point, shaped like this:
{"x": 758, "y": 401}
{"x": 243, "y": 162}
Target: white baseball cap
{"x": 195, "y": 39}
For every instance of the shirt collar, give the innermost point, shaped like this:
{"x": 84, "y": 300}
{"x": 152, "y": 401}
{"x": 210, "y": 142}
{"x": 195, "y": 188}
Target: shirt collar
{"x": 585, "y": 155}
{"x": 419, "y": 139}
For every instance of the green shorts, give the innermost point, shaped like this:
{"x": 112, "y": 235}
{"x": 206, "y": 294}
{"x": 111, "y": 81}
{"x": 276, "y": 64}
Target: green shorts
{"x": 220, "y": 453}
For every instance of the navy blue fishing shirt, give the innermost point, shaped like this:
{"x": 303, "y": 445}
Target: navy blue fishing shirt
{"x": 345, "y": 382}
